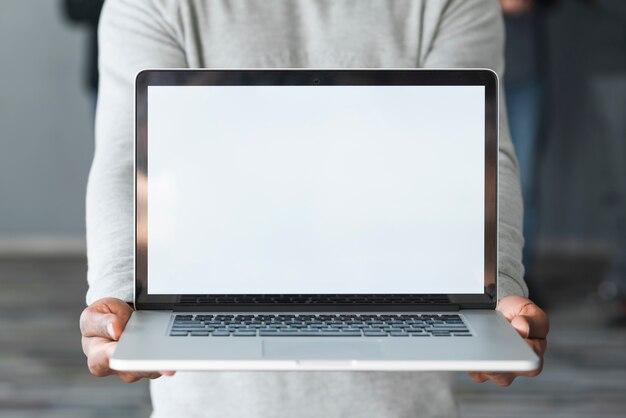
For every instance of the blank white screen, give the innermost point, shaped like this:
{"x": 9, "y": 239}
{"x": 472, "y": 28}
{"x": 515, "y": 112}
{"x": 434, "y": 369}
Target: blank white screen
{"x": 315, "y": 189}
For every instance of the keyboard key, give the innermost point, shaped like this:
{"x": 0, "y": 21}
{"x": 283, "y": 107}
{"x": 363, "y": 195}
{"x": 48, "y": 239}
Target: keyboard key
{"x": 374, "y": 334}
{"x": 347, "y": 334}
{"x": 310, "y": 331}
{"x": 268, "y": 333}
{"x": 191, "y": 326}
{"x": 244, "y": 334}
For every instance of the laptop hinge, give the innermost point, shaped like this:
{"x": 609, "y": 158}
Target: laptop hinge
{"x": 187, "y": 307}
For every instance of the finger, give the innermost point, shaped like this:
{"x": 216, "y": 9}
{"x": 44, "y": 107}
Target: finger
{"x": 168, "y": 373}
{"x": 538, "y": 346}
{"x": 112, "y": 305}
{"x": 536, "y": 323}
{"x": 91, "y": 345}
{"x": 95, "y": 324}
{"x": 478, "y": 377}
{"x": 532, "y": 373}
{"x": 535, "y": 326}
{"x": 127, "y": 377}
{"x": 105, "y": 317}
{"x": 505, "y": 379}
{"x": 132, "y": 377}
{"x": 84, "y": 342}
{"x": 98, "y": 352}
{"x": 502, "y": 379}
{"x": 115, "y": 328}
{"x": 521, "y": 325}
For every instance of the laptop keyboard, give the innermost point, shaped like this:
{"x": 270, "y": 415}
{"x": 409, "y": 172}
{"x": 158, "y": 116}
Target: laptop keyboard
{"x": 322, "y": 325}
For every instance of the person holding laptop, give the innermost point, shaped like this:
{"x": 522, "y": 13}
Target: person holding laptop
{"x": 135, "y": 35}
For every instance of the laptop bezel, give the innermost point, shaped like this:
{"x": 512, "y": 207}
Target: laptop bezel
{"x": 314, "y": 77}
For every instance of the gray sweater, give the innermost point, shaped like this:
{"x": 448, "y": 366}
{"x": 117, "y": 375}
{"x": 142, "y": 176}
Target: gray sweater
{"x": 137, "y": 34}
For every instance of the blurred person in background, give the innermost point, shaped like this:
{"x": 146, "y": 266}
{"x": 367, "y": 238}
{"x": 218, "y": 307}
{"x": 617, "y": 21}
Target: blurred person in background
{"x": 87, "y": 12}
{"x": 604, "y": 100}
{"x": 138, "y": 34}
{"x": 524, "y": 80}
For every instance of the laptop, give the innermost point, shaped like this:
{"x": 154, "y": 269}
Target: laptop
{"x": 313, "y": 219}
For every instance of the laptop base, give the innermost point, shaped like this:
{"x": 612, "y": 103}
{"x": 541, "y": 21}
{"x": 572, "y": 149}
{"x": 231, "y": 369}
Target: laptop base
{"x": 146, "y": 345}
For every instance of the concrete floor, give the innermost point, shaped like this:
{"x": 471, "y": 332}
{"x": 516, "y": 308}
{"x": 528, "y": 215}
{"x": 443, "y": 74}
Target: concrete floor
{"x": 43, "y": 372}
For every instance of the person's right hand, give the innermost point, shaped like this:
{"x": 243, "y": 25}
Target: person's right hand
{"x": 101, "y": 325}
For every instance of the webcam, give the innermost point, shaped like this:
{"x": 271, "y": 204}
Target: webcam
{"x": 316, "y": 81}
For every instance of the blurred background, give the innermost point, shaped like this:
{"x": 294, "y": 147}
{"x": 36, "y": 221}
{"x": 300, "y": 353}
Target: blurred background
{"x": 566, "y": 91}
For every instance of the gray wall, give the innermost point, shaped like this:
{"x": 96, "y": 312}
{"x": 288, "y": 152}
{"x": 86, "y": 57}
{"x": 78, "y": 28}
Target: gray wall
{"x": 46, "y": 129}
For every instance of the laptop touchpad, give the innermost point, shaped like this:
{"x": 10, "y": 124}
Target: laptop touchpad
{"x": 304, "y": 349}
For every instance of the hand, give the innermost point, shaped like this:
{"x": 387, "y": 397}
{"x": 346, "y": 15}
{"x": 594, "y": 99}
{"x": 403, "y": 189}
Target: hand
{"x": 516, "y": 7}
{"x": 101, "y": 325}
{"x": 532, "y": 324}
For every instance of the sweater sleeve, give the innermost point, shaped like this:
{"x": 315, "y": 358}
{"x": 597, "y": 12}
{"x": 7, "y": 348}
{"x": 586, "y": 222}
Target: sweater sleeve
{"x": 471, "y": 34}
{"x": 132, "y": 36}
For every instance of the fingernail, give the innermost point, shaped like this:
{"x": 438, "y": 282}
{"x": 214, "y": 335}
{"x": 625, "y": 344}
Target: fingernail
{"x": 110, "y": 330}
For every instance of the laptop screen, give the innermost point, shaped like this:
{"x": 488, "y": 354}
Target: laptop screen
{"x": 316, "y": 189}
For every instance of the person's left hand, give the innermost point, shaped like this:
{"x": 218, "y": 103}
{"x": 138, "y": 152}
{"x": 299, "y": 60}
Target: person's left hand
{"x": 532, "y": 324}
{"x": 516, "y": 7}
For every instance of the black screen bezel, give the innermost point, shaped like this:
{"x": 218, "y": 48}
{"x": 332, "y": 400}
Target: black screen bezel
{"x": 321, "y": 77}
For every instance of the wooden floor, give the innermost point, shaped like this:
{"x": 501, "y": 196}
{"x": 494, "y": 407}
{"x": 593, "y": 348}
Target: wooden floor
{"x": 43, "y": 372}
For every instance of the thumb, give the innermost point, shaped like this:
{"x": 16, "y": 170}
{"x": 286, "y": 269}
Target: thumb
{"x": 115, "y": 316}
{"x": 521, "y": 325}
{"x": 115, "y": 328}
{"x": 110, "y": 326}
{"x": 105, "y": 318}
